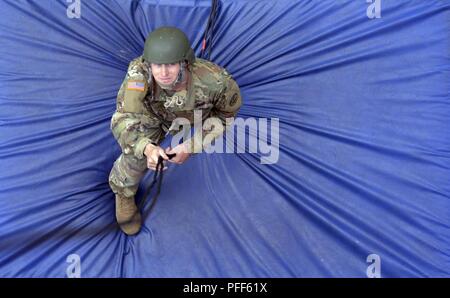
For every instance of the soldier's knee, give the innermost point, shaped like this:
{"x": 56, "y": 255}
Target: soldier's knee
{"x": 126, "y": 174}
{"x": 131, "y": 162}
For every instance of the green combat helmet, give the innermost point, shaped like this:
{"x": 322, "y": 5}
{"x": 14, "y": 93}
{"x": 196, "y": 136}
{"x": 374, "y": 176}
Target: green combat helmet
{"x": 168, "y": 45}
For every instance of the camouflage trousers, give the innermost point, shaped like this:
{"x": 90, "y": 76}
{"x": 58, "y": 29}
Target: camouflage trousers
{"x": 126, "y": 174}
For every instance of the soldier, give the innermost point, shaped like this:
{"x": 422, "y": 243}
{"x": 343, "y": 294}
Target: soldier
{"x": 165, "y": 83}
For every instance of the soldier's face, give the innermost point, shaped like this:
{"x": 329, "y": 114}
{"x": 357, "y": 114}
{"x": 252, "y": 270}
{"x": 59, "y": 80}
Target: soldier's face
{"x": 165, "y": 74}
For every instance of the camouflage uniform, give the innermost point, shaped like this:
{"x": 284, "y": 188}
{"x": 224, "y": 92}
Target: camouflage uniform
{"x": 145, "y": 113}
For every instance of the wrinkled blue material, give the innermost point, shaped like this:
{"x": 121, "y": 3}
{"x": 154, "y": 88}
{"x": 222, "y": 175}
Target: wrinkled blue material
{"x": 364, "y": 165}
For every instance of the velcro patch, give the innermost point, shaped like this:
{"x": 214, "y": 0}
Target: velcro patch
{"x": 135, "y": 85}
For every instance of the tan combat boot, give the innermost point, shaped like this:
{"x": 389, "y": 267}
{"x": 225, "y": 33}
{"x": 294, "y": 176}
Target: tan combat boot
{"x": 128, "y": 215}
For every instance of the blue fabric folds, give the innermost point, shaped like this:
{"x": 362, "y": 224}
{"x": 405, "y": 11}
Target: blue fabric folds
{"x": 363, "y": 169}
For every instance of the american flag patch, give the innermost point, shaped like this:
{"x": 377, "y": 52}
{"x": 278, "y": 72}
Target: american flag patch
{"x": 138, "y": 86}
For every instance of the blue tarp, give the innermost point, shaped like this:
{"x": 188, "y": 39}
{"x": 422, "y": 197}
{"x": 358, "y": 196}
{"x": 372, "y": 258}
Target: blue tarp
{"x": 364, "y": 145}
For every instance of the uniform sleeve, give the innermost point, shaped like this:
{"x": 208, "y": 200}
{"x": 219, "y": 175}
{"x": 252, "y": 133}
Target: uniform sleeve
{"x": 132, "y": 125}
{"x": 226, "y": 107}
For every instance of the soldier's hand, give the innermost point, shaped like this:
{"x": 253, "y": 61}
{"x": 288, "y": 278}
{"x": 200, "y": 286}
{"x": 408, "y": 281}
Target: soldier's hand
{"x": 181, "y": 151}
{"x": 153, "y": 153}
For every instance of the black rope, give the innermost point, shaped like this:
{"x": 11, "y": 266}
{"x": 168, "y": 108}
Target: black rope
{"x": 158, "y": 173}
{"x": 208, "y": 36}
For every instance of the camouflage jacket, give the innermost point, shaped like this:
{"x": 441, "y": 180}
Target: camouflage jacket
{"x": 144, "y": 112}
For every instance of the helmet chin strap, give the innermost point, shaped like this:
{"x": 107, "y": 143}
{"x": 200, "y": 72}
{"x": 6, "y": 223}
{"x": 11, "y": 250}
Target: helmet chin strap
{"x": 180, "y": 78}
